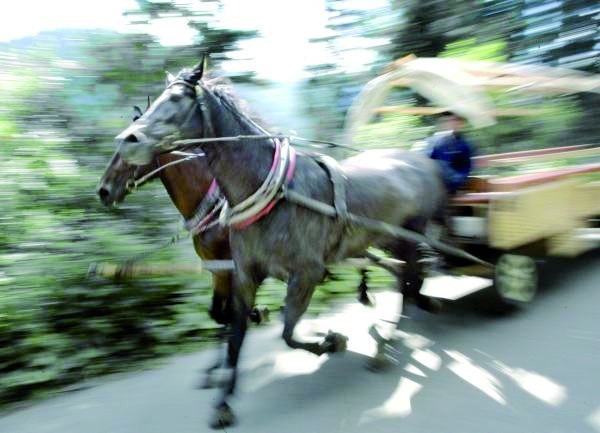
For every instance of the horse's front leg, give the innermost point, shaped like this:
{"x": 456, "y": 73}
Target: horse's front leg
{"x": 242, "y": 300}
{"x": 212, "y": 379}
{"x": 299, "y": 293}
{"x": 220, "y": 308}
{"x": 220, "y": 312}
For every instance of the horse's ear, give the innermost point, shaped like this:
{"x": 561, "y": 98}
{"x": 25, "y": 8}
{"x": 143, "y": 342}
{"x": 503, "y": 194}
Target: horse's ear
{"x": 169, "y": 78}
{"x": 137, "y": 113}
{"x": 198, "y": 70}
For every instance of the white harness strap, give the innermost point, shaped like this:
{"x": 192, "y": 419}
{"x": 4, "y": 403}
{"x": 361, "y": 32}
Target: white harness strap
{"x": 265, "y": 194}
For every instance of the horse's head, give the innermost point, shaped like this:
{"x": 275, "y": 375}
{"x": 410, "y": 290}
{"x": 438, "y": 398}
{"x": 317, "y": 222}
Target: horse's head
{"x": 175, "y": 115}
{"x": 119, "y": 177}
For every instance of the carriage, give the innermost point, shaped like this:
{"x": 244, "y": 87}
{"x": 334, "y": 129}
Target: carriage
{"x": 545, "y": 207}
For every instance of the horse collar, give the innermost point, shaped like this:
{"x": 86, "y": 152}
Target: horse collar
{"x": 260, "y": 204}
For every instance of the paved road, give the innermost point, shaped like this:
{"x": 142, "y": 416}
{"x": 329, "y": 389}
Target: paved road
{"x": 534, "y": 371}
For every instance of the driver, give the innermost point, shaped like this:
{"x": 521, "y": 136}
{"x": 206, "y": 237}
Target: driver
{"x": 449, "y": 148}
{"x": 452, "y": 151}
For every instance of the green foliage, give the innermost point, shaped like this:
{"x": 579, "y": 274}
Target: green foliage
{"x": 427, "y": 27}
{"x": 551, "y": 123}
{"x": 393, "y": 130}
{"x": 472, "y": 50}
{"x": 64, "y": 99}
{"x": 56, "y": 325}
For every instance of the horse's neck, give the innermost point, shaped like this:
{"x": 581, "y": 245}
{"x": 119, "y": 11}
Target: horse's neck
{"x": 240, "y": 167}
{"x": 186, "y": 183}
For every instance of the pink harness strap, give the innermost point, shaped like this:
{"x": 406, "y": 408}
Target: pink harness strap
{"x": 201, "y": 225}
{"x": 211, "y": 189}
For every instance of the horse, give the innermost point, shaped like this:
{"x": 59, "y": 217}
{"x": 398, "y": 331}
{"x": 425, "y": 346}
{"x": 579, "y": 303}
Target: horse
{"x": 281, "y": 238}
{"x": 194, "y": 193}
{"x": 189, "y": 184}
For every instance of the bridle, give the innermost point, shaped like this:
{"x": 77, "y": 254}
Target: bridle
{"x": 251, "y": 209}
{"x": 207, "y": 131}
{"x": 134, "y": 182}
{"x": 207, "y": 126}
{"x": 211, "y": 204}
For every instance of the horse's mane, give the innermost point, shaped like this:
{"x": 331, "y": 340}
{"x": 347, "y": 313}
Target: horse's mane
{"x": 222, "y": 87}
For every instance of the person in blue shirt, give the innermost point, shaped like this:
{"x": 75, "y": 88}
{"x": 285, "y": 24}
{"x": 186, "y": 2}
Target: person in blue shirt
{"x": 452, "y": 151}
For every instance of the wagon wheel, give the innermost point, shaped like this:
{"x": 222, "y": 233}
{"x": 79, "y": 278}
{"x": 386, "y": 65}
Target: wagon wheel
{"x": 516, "y": 279}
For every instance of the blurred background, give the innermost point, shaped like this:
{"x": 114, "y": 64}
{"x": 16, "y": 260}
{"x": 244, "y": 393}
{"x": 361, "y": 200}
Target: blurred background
{"x": 70, "y": 72}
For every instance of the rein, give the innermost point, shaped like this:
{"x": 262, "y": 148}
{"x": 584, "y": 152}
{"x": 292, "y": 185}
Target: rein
{"x": 136, "y": 183}
{"x": 182, "y": 144}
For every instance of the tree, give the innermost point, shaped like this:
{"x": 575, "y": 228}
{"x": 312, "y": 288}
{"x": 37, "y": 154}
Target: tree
{"x": 201, "y": 17}
{"x": 425, "y": 28}
{"x": 65, "y": 96}
{"x": 565, "y": 34}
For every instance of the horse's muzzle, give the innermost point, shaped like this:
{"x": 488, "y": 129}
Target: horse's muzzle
{"x": 105, "y": 196}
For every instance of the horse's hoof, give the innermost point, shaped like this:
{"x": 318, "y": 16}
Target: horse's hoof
{"x": 260, "y": 314}
{"x": 222, "y": 417}
{"x": 430, "y": 305}
{"x": 335, "y": 342}
{"x": 378, "y": 364}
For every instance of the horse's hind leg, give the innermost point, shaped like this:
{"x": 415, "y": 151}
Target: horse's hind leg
{"x": 409, "y": 281}
{"x": 383, "y": 328}
{"x": 363, "y": 294}
{"x": 299, "y": 292}
{"x": 412, "y": 281}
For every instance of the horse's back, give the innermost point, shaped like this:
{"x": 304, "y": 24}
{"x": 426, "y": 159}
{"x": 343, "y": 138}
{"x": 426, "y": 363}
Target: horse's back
{"x": 392, "y": 184}
{"x": 385, "y": 160}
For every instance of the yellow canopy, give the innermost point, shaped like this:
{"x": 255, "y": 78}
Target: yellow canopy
{"x": 459, "y": 86}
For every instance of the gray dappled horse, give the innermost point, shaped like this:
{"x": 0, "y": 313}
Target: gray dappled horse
{"x": 289, "y": 242}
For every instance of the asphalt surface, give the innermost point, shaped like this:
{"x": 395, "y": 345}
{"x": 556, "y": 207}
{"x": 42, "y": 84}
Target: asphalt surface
{"x": 460, "y": 371}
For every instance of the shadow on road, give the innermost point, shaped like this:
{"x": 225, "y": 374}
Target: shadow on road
{"x": 531, "y": 370}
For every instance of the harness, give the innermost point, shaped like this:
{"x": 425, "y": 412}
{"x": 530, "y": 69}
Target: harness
{"x": 275, "y": 187}
{"x": 205, "y": 216}
{"x": 338, "y": 181}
